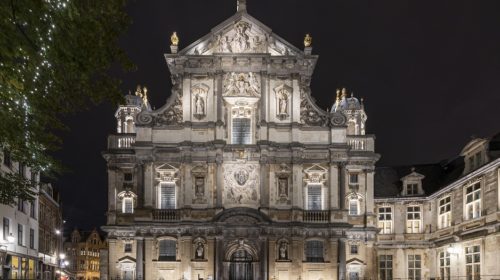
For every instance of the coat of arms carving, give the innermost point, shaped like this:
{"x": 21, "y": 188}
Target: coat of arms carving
{"x": 241, "y": 176}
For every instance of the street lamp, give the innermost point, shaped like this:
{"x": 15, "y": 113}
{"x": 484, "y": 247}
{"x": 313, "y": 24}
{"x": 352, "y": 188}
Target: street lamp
{"x": 10, "y": 238}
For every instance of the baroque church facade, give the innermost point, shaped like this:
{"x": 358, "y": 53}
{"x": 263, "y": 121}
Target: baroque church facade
{"x": 240, "y": 175}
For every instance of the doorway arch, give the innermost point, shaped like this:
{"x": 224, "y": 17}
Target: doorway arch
{"x": 241, "y": 265}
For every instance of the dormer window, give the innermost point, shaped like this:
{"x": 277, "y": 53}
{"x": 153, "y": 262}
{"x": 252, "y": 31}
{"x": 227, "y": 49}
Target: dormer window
{"x": 412, "y": 189}
{"x": 412, "y": 184}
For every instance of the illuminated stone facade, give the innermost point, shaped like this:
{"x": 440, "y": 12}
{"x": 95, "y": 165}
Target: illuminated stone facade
{"x": 240, "y": 175}
{"x": 83, "y": 251}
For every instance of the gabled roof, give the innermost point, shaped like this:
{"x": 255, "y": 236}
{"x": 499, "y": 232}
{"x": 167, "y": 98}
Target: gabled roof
{"x": 231, "y": 36}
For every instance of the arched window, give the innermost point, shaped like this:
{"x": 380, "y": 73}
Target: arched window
{"x": 167, "y": 250}
{"x": 314, "y": 251}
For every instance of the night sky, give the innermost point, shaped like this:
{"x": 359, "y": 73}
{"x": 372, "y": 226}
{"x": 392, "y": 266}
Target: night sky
{"x": 429, "y": 72}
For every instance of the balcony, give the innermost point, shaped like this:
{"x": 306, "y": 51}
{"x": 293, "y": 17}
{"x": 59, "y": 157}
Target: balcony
{"x": 121, "y": 141}
{"x": 166, "y": 215}
{"x": 361, "y": 143}
{"x": 316, "y": 216}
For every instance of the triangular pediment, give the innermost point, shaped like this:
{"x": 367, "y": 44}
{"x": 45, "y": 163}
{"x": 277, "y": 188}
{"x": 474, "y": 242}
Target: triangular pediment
{"x": 241, "y": 34}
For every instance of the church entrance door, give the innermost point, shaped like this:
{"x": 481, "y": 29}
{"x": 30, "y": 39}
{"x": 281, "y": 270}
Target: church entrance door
{"x": 240, "y": 267}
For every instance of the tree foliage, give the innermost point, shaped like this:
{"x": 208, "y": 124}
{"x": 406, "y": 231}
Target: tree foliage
{"x": 55, "y": 57}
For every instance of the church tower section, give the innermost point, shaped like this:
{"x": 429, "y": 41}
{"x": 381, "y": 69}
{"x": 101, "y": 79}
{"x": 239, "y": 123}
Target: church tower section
{"x": 240, "y": 175}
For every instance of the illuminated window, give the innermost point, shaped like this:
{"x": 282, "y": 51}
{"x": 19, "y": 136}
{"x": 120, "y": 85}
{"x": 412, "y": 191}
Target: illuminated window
{"x": 353, "y": 206}
{"x": 385, "y": 219}
{"x": 128, "y": 205}
{"x": 314, "y": 197}
{"x": 167, "y": 195}
{"x": 413, "y": 219}
{"x": 444, "y": 212}
{"x": 473, "y": 201}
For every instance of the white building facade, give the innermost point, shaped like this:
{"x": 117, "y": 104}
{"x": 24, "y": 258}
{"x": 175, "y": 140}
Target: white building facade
{"x": 19, "y": 232}
{"x": 240, "y": 175}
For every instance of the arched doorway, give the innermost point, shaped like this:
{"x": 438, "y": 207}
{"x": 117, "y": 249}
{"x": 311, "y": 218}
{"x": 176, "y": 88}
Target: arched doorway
{"x": 240, "y": 267}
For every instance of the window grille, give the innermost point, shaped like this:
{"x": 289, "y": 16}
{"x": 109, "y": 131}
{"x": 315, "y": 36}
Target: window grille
{"x": 473, "y": 262}
{"x": 167, "y": 196}
{"x": 241, "y": 132}
{"x": 473, "y": 201}
{"x": 167, "y": 250}
{"x": 385, "y": 267}
{"x": 314, "y": 251}
{"x": 314, "y": 197}
{"x": 385, "y": 219}
{"x": 414, "y": 267}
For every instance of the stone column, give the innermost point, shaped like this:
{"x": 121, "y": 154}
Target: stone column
{"x": 219, "y": 257}
{"x": 219, "y": 181}
{"x": 139, "y": 268}
{"x": 342, "y": 174}
{"x": 334, "y": 180}
{"x": 264, "y": 182}
{"x": 149, "y": 255}
{"x": 341, "y": 260}
{"x": 264, "y": 258}
{"x": 370, "y": 207}
{"x": 140, "y": 185}
{"x": 148, "y": 185}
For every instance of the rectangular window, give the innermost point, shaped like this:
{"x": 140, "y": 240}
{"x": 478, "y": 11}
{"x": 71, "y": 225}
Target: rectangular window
{"x": 354, "y": 249}
{"x": 353, "y": 207}
{"x": 444, "y": 265}
{"x": 20, "y": 235}
{"x": 128, "y": 248}
{"x": 7, "y": 160}
{"x": 414, "y": 267}
{"x": 411, "y": 189}
{"x": 314, "y": 251}
{"x": 413, "y": 219}
{"x": 353, "y": 179}
{"x": 473, "y": 262}
{"x": 20, "y": 205}
{"x": 128, "y": 205}
{"x": 241, "y": 132}
{"x": 32, "y": 209}
{"x": 385, "y": 267}
{"x": 314, "y": 197}
{"x": 21, "y": 170}
{"x": 6, "y": 228}
{"x": 167, "y": 196}
{"x": 473, "y": 201}
{"x": 385, "y": 219}
{"x": 444, "y": 212}
{"x": 32, "y": 238}
{"x": 167, "y": 250}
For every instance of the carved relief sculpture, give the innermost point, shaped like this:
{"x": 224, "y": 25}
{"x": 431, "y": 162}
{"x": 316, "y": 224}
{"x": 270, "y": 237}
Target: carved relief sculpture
{"x": 240, "y": 183}
{"x": 241, "y": 84}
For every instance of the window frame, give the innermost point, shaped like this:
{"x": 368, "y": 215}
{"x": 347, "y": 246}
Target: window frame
{"x": 385, "y": 272}
{"x": 444, "y": 267}
{"x": 473, "y": 263}
{"x": 387, "y": 225}
{"x": 309, "y": 204}
{"x": 413, "y": 186}
{"x": 125, "y": 209}
{"x": 357, "y": 203}
{"x": 242, "y": 112}
{"x": 165, "y": 254}
{"x": 414, "y": 219}
{"x": 20, "y": 234}
{"x": 475, "y": 204}
{"x": 316, "y": 253}
{"x": 444, "y": 212}
{"x": 414, "y": 272}
{"x": 6, "y": 228}
{"x": 160, "y": 204}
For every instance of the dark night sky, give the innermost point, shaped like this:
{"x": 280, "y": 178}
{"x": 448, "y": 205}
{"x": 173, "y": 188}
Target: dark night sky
{"x": 428, "y": 70}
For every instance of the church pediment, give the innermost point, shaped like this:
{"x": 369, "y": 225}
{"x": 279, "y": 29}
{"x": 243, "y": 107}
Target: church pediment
{"x": 241, "y": 34}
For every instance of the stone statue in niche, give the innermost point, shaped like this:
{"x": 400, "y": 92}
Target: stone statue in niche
{"x": 283, "y": 251}
{"x": 283, "y": 187}
{"x": 200, "y": 105}
{"x": 282, "y": 102}
{"x": 200, "y": 250}
{"x": 199, "y": 186}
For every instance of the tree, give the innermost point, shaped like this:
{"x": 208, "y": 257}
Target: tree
{"x": 55, "y": 57}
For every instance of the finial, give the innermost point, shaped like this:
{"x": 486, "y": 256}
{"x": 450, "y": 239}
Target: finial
{"x": 241, "y": 5}
{"x": 344, "y": 92}
{"x": 174, "y": 39}
{"x": 338, "y": 94}
{"x": 412, "y": 169}
{"x": 352, "y": 94}
{"x": 145, "y": 95}
{"x": 138, "y": 91}
{"x": 307, "y": 41}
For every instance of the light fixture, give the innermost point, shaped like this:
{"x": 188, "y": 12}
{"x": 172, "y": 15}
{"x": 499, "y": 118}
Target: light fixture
{"x": 62, "y": 256}
{"x": 58, "y": 232}
{"x": 11, "y": 238}
{"x": 66, "y": 263}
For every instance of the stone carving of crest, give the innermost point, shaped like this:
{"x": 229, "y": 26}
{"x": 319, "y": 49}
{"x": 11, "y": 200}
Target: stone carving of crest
{"x": 241, "y": 176}
{"x": 242, "y": 84}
